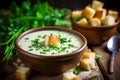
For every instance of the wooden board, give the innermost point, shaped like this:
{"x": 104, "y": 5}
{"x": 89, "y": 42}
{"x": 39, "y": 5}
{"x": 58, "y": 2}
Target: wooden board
{"x": 104, "y": 63}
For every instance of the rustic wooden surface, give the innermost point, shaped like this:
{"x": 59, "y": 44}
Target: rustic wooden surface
{"x": 104, "y": 63}
{"x": 84, "y": 75}
{"x": 57, "y": 77}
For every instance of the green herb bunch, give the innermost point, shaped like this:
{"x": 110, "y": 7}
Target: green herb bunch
{"x": 27, "y": 16}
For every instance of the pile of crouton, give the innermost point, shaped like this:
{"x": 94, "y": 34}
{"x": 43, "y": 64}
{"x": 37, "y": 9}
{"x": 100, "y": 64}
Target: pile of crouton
{"x": 95, "y": 15}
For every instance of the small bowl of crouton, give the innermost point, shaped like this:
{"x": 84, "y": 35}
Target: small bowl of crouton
{"x": 96, "y": 23}
{"x": 50, "y": 50}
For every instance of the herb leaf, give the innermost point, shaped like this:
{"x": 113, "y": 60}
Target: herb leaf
{"x": 63, "y": 40}
{"x": 98, "y": 57}
{"x": 77, "y": 70}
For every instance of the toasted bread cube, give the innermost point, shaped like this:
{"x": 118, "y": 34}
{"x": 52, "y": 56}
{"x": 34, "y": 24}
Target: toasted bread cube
{"x": 88, "y": 54}
{"x": 109, "y": 20}
{"x": 52, "y": 40}
{"x": 88, "y": 12}
{"x": 77, "y": 13}
{"x": 22, "y": 73}
{"x": 113, "y": 13}
{"x": 92, "y": 64}
{"x": 69, "y": 76}
{"x": 82, "y": 21}
{"x": 95, "y": 22}
{"x": 97, "y": 4}
{"x": 85, "y": 64}
{"x": 101, "y": 13}
{"x": 87, "y": 61}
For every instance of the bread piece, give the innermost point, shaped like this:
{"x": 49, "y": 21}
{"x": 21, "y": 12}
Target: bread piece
{"x": 88, "y": 12}
{"x": 109, "y": 20}
{"x": 88, "y": 54}
{"x": 77, "y": 13}
{"x": 113, "y": 13}
{"x": 69, "y": 76}
{"x": 91, "y": 56}
{"x": 95, "y": 22}
{"x": 97, "y": 4}
{"x": 52, "y": 40}
{"x": 87, "y": 61}
{"x": 22, "y": 73}
{"x": 101, "y": 13}
{"x": 85, "y": 64}
{"x": 82, "y": 21}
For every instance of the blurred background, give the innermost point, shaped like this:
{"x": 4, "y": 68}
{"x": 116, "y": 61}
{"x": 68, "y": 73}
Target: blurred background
{"x": 71, "y": 4}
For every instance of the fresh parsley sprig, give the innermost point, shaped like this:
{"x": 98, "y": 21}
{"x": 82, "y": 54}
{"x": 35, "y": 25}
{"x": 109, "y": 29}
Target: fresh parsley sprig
{"x": 21, "y": 18}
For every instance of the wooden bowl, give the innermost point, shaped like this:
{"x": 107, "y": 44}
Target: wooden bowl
{"x": 51, "y": 65}
{"x": 96, "y": 35}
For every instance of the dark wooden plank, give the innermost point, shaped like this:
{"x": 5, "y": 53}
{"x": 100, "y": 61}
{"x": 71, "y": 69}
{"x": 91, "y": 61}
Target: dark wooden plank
{"x": 104, "y": 63}
{"x": 102, "y": 69}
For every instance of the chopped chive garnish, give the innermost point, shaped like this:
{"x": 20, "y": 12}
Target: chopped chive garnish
{"x": 30, "y": 46}
{"x": 63, "y": 40}
{"x": 72, "y": 46}
{"x": 42, "y": 52}
{"x": 63, "y": 49}
{"x": 51, "y": 34}
{"x": 26, "y": 38}
{"x": 39, "y": 36}
{"x": 69, "y": 40}
{"x": 44, "y": 36}
{"x": 30, "y": 49}
{"x": 65, "y": 45}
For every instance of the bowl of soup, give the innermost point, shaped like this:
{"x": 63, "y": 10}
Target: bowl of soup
{"x": 50, "y": 50}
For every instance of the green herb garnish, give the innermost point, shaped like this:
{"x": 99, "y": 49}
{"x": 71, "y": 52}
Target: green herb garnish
{"x": 30, "y": 49}
{"x": 51, "y": 34}
{"x": 98, "y": 57}
{"x": 77, "y": 70}
{"x": 42, "y": 52}
{"x": 63, "y": 40}
{"x": 26, "y": 38}
{"x": 72, "y": 46}
{"x": 63, "y": 49}
{"x": 44, "y": 36}
{"x": 39, "y": 36}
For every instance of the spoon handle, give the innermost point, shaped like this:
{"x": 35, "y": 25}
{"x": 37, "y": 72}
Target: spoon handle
{"x": 112, "y": 62}
{"x": 111, "y": 65}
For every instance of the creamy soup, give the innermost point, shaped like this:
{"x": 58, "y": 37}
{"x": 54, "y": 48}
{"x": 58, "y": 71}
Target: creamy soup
{"x": 34, "y": 43}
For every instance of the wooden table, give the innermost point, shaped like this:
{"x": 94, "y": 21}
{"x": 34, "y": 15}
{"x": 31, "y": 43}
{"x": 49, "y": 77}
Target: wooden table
{"x": 85, "y": 75}
{"x": 37, "y": 76}
{"x": 104, "y": 63}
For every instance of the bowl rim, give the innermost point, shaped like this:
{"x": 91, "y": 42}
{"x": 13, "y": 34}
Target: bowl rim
{"x": 51, "y": 28}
